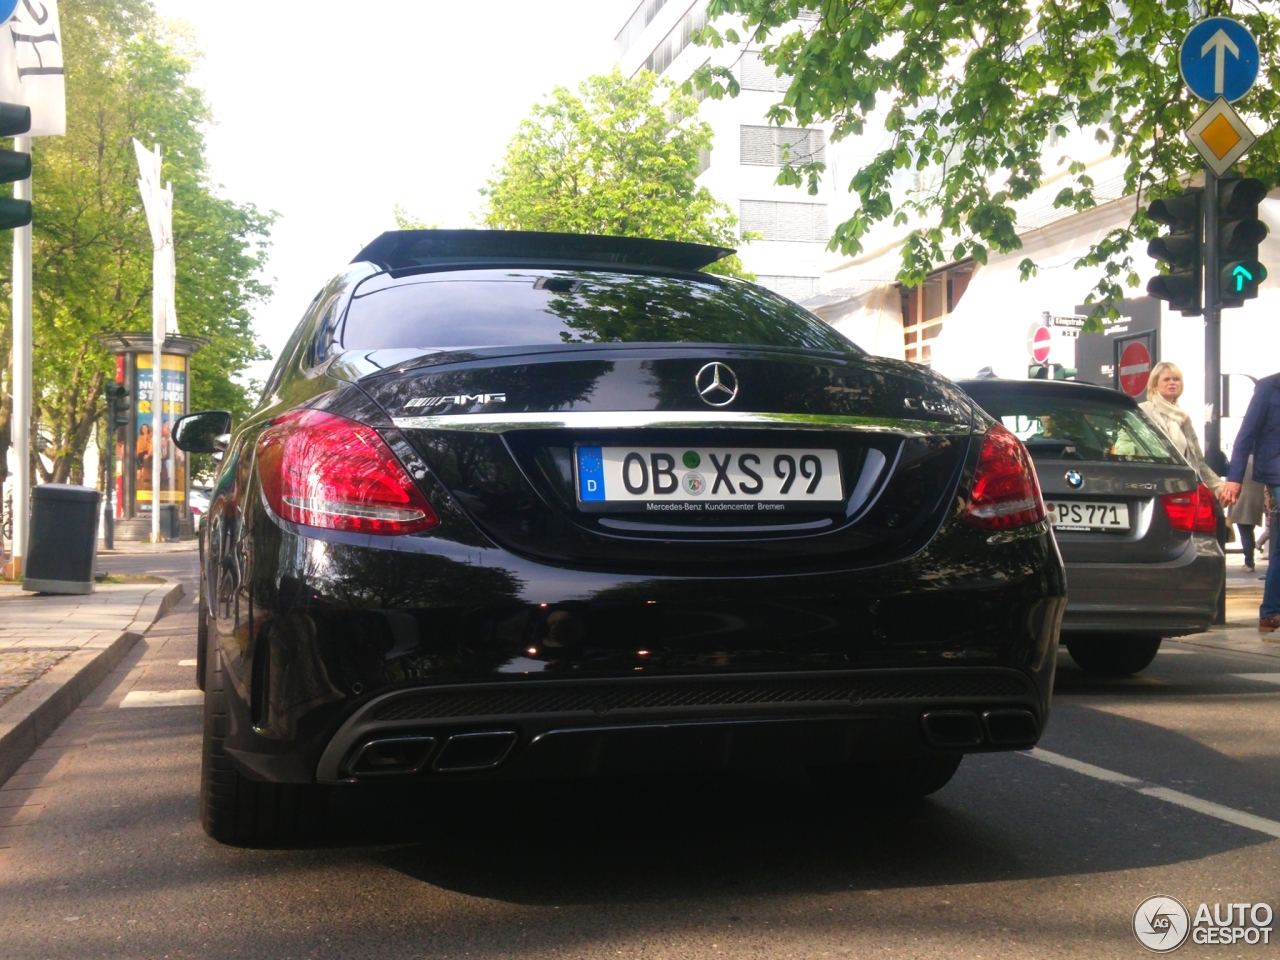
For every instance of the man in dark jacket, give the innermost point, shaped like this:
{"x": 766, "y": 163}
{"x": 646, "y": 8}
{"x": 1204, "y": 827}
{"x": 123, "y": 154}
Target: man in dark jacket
{"x": 1260, "y": 435}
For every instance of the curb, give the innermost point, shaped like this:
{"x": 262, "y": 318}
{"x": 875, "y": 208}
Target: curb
{"x": 28, "y": 719}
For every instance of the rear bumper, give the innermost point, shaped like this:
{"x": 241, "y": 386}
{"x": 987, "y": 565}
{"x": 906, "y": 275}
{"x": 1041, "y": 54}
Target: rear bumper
{"x": 587, "y": 672}
{"x": 587, "y": 728}
{"x": 1169, "y": 599}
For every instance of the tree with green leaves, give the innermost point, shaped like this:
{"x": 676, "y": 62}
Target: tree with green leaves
{"x": 91, "y": 246}
{"x": 972, "y": 92}
{"x": 619, "y": 157}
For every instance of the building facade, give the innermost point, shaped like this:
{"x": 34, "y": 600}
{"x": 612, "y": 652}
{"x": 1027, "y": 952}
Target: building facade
{"x": 966, "y": 317}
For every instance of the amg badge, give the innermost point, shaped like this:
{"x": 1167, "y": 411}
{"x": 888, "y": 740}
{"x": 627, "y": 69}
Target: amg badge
{"x": 460, "y": 400}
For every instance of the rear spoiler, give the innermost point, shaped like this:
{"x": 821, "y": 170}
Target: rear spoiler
{"x": 406, "y": 249}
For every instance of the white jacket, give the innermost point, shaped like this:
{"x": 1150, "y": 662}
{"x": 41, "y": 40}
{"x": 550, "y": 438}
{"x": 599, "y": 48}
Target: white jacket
{"x": 1176, "y": 423}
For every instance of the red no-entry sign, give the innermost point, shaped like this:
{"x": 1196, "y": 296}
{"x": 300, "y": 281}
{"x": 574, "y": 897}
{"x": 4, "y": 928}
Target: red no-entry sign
{"x": 1135, "y": 369}
{"x": 1040, "y": 344}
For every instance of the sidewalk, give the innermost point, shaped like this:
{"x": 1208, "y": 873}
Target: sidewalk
{"x": 1240, "y": 633}
{"x": 55, "y": 649}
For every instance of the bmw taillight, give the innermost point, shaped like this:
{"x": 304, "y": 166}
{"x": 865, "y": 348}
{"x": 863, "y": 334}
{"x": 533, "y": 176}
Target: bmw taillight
{"x": 326, "y": 471}
{"x": 1192, "y": 511}
{"x": 1005, "y": 493}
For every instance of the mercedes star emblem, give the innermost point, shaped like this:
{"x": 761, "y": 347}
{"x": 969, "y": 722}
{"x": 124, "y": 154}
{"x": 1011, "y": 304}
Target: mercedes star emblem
{"x": 717, "y": 384}
{"x": 1074, "y": 479}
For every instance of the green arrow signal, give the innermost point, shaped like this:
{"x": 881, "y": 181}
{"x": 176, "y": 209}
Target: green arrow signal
{"x": 1241, "y": 273}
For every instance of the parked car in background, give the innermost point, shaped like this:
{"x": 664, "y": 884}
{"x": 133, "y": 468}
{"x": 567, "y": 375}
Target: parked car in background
{"x": 1136, "y": 528}
{"x": 520, "y": 505}
{"x": 199, "y": 500}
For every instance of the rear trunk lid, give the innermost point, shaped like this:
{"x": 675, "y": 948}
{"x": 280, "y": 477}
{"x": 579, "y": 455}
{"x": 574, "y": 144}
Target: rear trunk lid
{"x": 1085, "y": 501}
{"x": 514, "y": 435}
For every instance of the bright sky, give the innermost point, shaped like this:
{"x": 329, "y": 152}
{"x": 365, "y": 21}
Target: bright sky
{"x": 331, "y": 113}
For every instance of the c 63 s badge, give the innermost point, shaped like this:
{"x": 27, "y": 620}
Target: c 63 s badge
{"x": 932, "y": 406}
{"x": 457, "y": 399}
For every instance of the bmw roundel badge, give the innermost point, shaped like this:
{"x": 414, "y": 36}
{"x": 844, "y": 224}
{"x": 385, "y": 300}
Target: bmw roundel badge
{"x": 1074, "y": 480}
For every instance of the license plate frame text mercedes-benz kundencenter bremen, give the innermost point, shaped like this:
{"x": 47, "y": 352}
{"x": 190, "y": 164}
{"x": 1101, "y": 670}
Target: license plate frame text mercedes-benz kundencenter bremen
{"x": 703, "y": 478}
{"x": 1089, "y": 515}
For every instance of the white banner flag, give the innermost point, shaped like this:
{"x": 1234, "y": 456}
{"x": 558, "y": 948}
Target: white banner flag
{"x": 157, "y": 201}
{"x": 31, "y": 65}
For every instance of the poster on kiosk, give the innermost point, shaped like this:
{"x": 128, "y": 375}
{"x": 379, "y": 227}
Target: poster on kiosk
{"x": 154, "y": 452}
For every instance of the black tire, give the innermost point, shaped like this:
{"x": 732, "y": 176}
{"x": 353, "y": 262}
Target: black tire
{"x": 1113, "y": 655}
{"x": 884, "y": 783}
{"x": 202, "y": 634}
{"x": 237, "y": 810}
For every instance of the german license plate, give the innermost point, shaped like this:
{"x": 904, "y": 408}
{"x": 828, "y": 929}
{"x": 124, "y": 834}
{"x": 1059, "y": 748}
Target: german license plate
{"x": 1081, "y": 515}
{"x": 711, "y": 479}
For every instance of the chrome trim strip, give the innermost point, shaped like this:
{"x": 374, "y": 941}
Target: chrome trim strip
{"x": 677, "y": 528}
{"x": 697, "y": 419}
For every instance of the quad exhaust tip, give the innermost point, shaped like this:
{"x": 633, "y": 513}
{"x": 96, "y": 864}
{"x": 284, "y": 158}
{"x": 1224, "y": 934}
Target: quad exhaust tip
{"x": 406, "y": 755}
{"x": 474, "y": 751}
{"x": 965, "y": 728}
{"x": 392, "y": 756}
{"x": 1011, "y": 727}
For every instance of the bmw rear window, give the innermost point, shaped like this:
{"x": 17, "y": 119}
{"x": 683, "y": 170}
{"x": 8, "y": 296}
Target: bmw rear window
{"x": 1071, "y": 428}
{"x": 475, "y": 309}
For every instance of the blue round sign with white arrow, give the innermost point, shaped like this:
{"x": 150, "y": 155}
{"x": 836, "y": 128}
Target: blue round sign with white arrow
{"x": 1219, "y": 58}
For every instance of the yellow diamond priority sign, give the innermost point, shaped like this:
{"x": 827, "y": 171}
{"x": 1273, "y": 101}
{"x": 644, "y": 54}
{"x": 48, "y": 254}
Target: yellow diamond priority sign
{"x": 1220, "y": 136}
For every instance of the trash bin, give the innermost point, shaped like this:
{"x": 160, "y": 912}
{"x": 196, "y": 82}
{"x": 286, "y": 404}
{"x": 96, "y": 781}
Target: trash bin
{"x": 169, "y": 521}
{"x": 63, "y": 540}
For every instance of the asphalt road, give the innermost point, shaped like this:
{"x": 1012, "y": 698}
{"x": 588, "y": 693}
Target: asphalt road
{"x": 1017, "y": 857}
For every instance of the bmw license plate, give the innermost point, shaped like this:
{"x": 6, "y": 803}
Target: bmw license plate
{"x": 708, "y": 479}
{"x": 1081, "y": 515}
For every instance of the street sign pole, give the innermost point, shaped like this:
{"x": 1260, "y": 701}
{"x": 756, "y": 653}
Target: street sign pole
{"x": 21, "y": 374}
{"x": 1212, "y": 327}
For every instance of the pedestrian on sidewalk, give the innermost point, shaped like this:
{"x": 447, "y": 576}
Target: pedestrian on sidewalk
{"x": 1259, "y": 438}
{"x": 1164, "y": 387}
{"x": 1246, "y": 513}
{"x": 1269, "y": 519}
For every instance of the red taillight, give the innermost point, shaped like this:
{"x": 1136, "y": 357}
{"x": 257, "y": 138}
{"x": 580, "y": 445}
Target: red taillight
{"x": 1192, "y": 511}
{"x": 1005, "y": 490}
{"x": 326, "y": 471}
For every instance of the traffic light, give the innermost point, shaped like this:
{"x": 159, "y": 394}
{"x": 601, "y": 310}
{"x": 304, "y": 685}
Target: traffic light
{"x": 15, "y": 120}
{"x": 1182, "y": 283}
{"x": 118, "y": 406}
{"x": 1050, "y": 371}
{"x": 1239, "y": 233}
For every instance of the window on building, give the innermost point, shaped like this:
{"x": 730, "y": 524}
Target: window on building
{"x": 785, "y": 221}
{"x": 774, "y": 146}
{"x": 924, "y": 308}
{"x": 704, "y": 161}
{"x": 642, "y": 17}
{"x": 793, "y": 288}
{"x": 755, "y": 74}
{"x": 673, "y": 43}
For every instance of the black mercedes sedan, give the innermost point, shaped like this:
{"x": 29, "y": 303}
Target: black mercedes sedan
{"x": 522, "y": 505}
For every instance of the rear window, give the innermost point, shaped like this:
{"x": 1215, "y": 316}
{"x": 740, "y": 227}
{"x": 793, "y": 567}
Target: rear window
{"x": 500, "y": 308}
{"x": 1070, "y": 428}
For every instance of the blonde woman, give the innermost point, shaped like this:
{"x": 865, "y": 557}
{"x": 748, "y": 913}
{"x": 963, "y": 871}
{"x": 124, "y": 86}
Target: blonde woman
{"x": 1164, "y": 387}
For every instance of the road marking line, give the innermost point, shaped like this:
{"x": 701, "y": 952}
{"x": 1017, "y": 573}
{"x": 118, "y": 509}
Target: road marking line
{"x": 1088, "y": 769}
{"x": 1216, "y": 810}
{"x": 187, "y": 663}
{"x": 162, "y": 698}
{"x": 1238, "y": 817}
{"x": 1260, "y": 677}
